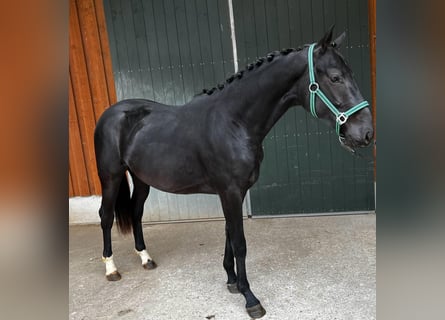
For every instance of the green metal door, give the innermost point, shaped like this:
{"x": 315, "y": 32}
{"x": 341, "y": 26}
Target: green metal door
{"x": 305, "y": 170}
{"x": 169, "y": 50}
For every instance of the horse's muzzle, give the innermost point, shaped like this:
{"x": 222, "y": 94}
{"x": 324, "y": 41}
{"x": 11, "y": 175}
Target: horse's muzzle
{"x": 360, "y": 138}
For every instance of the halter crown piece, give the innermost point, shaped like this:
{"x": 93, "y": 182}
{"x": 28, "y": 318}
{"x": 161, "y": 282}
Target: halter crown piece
{"x": 314, "y": 89}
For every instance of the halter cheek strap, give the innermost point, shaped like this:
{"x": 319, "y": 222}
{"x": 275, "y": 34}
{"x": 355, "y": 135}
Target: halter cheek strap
{"x": 314, "y": 90}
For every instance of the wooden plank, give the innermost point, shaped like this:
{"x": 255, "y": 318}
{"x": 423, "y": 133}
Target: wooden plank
{"x": 93, "y": 55}
{"x": 78, "y": 172}
{"x": 70, "y": 185}
{"x": 105, "y": 51}
{"x": 91, "y": 90}
{"x": 82, "y": 97}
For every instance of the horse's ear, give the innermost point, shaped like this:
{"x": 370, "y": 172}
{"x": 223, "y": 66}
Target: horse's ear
{"x": 337, "y": 42}
{"x": 326, "y": 41}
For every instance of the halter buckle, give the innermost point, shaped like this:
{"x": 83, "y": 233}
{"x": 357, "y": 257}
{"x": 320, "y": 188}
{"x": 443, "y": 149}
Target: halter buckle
{"x": 313, "y": 87}
{"x": 341, "y": 118}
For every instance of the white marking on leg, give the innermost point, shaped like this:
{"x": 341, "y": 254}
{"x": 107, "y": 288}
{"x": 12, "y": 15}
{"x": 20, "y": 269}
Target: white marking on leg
{"x": 110, "y": 267}
{"x": 145, "y": 257}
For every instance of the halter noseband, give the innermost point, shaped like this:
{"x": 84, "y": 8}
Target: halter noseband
{"x": 314, "y": 89}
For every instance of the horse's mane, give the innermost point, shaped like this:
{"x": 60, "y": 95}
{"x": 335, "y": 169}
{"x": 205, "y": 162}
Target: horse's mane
{"x": 268, "y": 58}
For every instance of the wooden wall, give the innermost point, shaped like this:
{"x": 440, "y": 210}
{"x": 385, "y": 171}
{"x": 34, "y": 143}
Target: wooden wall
{"x": 91, "y": 90}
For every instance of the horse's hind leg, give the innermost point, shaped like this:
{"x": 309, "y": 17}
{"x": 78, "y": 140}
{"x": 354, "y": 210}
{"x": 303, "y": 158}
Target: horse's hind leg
{"x": 140, "y": 194}
{"x": 110, "y": 190}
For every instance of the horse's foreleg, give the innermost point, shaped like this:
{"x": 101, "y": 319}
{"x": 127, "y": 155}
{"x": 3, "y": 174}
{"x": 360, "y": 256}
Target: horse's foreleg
{"x": 232, "y": 206}
{"x": 229, "y": 265}
{"x": 140, "y": 194}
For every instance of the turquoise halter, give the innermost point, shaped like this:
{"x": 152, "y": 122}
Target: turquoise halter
{"x": 314, "y": 89}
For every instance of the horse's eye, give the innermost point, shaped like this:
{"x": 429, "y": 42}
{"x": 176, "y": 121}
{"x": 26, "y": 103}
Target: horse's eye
{"x": 335, "y": 79}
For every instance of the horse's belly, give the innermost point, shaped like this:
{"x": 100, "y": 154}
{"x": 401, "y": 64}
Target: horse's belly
{"x": 170, "y": 168}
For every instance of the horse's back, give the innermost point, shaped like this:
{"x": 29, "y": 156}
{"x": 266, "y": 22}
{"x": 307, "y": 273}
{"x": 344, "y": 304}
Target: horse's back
{"x": 130, "y": 109}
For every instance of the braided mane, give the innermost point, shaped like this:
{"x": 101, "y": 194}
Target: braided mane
{"x": 268, "y": 58}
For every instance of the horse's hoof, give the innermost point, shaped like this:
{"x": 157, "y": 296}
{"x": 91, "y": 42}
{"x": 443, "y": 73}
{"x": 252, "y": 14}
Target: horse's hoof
{"x": 256, "y": 312}
{"x": 232, "y": 287}
{"x": 115, "y": 276}
{"x": 150, "y": 265}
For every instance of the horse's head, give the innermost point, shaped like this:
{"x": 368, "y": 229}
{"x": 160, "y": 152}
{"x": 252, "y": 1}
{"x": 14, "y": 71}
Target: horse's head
{"x": 333, "y": 95}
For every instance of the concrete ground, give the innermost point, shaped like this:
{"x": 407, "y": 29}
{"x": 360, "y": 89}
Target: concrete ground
{"x": 299, "y": 268}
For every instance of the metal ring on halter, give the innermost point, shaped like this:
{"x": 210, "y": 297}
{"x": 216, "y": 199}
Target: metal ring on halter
{"x": 316, "y": 87}
{"x": 341, "y": 118}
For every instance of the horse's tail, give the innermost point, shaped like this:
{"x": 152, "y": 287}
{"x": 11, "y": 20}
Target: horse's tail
{"x": 124, "y": 208}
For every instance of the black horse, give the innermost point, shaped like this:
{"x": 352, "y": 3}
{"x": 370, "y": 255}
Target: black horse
{"x": 213, "y": 144}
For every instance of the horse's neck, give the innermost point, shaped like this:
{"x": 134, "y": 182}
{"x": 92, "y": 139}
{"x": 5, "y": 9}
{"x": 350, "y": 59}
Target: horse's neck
{"x": 265, "y": 93}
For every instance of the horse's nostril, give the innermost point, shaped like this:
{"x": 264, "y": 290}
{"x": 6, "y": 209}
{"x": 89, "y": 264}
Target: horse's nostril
{"x": 368, "y": 136}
